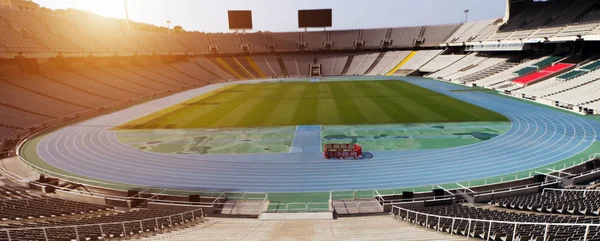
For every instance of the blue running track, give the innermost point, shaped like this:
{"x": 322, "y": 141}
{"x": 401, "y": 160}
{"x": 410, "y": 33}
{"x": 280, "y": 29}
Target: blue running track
{"x": 538, "y": 136}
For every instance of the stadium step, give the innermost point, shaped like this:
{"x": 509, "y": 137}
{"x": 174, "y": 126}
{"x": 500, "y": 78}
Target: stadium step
{"x": 375, "y": 63}
{"x": 404, "y": 61}
{"x": 348, "y": 63}
{"x": 188, "y": 75}
{"x": 205, "y": 69}
{"x": 297, "y": 216}
{"x": 243, "y": 68}
{"x": 226, "y": 67}
{"x": 255, "y": 67}
{"x": 282, "y": 66}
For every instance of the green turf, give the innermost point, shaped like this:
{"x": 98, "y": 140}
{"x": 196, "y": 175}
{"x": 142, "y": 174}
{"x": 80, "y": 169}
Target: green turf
{"x": 321, "y": 103}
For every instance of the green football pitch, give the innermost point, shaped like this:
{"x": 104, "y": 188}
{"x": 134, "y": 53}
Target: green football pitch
{"x": 318, "y": 103}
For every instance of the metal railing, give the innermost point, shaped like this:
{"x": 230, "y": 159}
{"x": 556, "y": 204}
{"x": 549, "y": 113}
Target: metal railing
{"x": 352, "y": 194}
{"x": 194, "y": 214}
{"x": 403, "y": 213}
{"x": 300, "y": 207}
{"x": 562, "y": 191}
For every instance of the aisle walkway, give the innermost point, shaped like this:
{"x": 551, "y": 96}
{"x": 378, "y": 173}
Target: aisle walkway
{"x": 356, "y": 228}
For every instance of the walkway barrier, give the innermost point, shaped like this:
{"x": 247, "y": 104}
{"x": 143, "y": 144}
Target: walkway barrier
{"x": 400, "y": 213}
{"x": 352, "y": 194}
{"x": 300, "y": 207}
{"x": 562, "y": 191}
{"x": 102, "y": 227}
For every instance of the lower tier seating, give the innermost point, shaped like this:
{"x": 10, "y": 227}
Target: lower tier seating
{"x": 538, "y": 75}
{"x": 455, "y": 219}
{"x": 573, "y": 202}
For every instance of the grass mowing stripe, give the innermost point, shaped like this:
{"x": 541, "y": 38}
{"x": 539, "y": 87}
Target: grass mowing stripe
{"x": 321, "y": 103}
{"x": 259, "y": 114}
{"x": 283, "y": 111}
{"x": 306, "y": 111}
{"x": 213, "y": 117}
{"x": 401, "y": 109}
{"x": 237, "y": 115}
{"x": 351, "y": 113}
{"x": 372, "y": 108}
{"x": 327, "y": 109}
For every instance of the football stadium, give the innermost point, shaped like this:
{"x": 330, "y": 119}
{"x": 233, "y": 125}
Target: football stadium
{"x": 112, "y": 129}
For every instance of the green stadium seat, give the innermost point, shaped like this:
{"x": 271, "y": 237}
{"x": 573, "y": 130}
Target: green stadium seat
{"x": 525, "y": 71}
{"x": 592, "y": 66}
{"x": 572, "y": 74}
{"x": 546, "y": 62}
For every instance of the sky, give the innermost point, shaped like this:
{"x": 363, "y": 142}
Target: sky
{"x": 281, "y": 15}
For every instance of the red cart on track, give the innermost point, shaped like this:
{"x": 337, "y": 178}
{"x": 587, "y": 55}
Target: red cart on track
{"x": 342, "y": 151}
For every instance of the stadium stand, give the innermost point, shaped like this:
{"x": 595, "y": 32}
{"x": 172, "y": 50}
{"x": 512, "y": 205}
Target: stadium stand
{"x": 257, "y": 41}
{"x": 332, "y": 64}
{"x": 388, "y": 62}
{"x": 561, "y": 201}
{"x": 361, "y": 63}
{"x": 564, "y": 82}
{"x": 475, "y": 66}
{"x": 583, "y": 94}
{"x": 504, "y": 76}
{"x": 486, "y": 33}
{"x": 227, "y": 43}
{"x": 454, "y": 219}
{"x": 541, "y": 74}
{"x": 470, "y": 31}
{"x": 195, "y": 41}
{"x": 314, "y": 40}
{"x": 419, "y": 59}
{"x": 374, "y": 37}
{"x": 441, "y": 62}
{"x": 344, "y": 39}
{"x": 25, "y": 216}
{"x": 286, "y": 41}
{"x": 402, "y": 37}
{"x": 484, "y": 73}
{"x": 56, "y": 91}
{"x": 435, "y": 35}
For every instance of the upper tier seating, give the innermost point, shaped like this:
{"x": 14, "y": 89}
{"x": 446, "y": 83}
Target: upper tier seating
{"x": 286, "y": 41}
{"x": 438, "y": 34}
{"x": 38, "y": 29}
{"x": 315, "y": 39}
{"x": 402, "y": 37}
{"x": 373, "y": 37}
{"x": 257, "y": 41}
{"x": 344, "y": 39}
{"x": 469, "y": 31}
{"x": 227, "y": 43}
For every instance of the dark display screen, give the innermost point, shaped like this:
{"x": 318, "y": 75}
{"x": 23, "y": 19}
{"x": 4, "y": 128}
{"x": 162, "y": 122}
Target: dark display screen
{"x": 315, "y": 18}
{"x": 240, "y": 19}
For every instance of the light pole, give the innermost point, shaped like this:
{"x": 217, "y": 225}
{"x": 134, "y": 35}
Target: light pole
{"x": 466, "y": 15}
{"x": 169, "y": 26}
{"x": 126, "y": 14}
